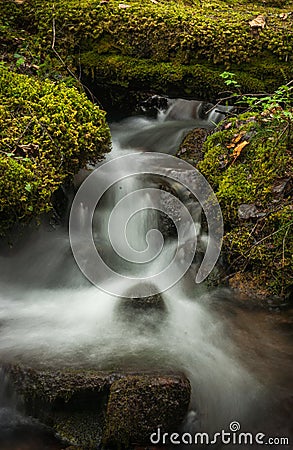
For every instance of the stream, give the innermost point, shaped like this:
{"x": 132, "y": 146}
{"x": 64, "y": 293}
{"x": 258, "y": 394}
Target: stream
{"x": 238, "y": 358}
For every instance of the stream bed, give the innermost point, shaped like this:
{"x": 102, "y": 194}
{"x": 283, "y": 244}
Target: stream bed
{"x": 237, "y": 357}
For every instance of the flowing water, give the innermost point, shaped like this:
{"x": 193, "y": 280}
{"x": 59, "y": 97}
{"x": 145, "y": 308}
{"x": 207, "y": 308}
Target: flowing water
{"x": 238, "y": 360}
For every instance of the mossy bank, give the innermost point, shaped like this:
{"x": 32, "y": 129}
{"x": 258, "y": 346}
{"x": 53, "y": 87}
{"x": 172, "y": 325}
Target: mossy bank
{"x": 167, "y": 47}
{"x": 249, "y": 163}
{"x": 48, "y": 132}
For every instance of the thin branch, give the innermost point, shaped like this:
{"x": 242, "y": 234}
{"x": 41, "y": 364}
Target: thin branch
{"x": 93, "y": 98}
{"x": 21, "y": 136}
{"x": 260, "y": 241}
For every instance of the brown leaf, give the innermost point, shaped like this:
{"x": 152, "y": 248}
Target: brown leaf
{"x": 237, "y": 150}
{"x": 283, "y": 16}
{"x": 238, "y": 137}
{"x": 258, "y": 22}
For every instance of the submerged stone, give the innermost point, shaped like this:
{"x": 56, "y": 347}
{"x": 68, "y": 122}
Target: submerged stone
{"x": 142, "y": 308}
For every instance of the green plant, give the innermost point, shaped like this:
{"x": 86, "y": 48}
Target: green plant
{"x": 229, "y": 79}
{"x": 276, "y": 109}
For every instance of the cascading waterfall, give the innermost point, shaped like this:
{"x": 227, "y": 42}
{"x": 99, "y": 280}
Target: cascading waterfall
{"x": 52, "y": 316}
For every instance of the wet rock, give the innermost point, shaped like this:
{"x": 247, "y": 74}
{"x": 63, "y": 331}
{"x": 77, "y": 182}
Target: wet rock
{"x": 142, "y": 307}
{"x": 153, "y": 104}
{"x": 73, "y": 402}
{"x": 57, "y": 385}
{"x": 81, "y": 428}
{"x": 249, "y": 211}
{"x": 81, "y": 406}
{"x": 140, "y": 404}
{"x": 191, "y": 148}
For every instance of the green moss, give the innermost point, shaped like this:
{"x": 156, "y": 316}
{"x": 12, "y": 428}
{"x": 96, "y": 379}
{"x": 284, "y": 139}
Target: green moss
{"x": 57, "y": 385}
{"x": 48, "y": 132}
{"x": 185, "y": 44}
{"x": 261, "y": 243}
{"x": 80, "y": 428}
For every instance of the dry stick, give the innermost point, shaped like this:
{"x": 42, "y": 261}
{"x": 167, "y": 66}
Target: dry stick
{"x": 93, "y": 98}
{"x": 282, "y": 133}
{"x": 283, "y": 255}
{"x": 256, "y": 244}
{"x": 22, "y": 134}
{"x": 229, "y": 98}
{"x": 244, "y": 95}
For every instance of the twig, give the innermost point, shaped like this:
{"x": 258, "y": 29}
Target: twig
{"x": 260, "y": 241}
{"x": 283, "y": 255}
{"x": 22, "y": 134}
{"x": 93, "y": 98}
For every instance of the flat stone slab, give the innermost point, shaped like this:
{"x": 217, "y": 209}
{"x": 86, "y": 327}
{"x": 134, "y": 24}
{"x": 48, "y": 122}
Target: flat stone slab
{"x": 88, "y": 407}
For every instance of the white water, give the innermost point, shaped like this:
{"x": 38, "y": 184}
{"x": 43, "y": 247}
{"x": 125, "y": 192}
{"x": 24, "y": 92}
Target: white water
{"x": 51, "y": 316}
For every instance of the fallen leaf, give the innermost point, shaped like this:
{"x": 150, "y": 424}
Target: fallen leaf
{"x": 258, "y": 22}
{"x": 228, "y": 125}
{"x": 238, "y": 137}
{"x": 123, "y": 6}
{"x": 237, "y": 150}
{"x": 155, "y": 2}
{"x": 283, "y": 16}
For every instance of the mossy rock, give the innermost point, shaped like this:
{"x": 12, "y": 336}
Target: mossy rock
{"x": 191, "y": 149}
{"x": 82, "y": 428}
{"x": 72, "y": 402}
{"x": 51, "y": 385}
{"x": 253, "y": 189}
{"x": 84, "y": 406}
{"x": 48, "y": 132}
{"x": 139, "y": 405}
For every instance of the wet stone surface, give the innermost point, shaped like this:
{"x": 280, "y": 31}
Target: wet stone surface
{"x": 85, "y": 408}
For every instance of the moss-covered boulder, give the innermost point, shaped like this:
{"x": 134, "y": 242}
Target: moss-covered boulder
{"x": 168, "y": 47}
{"x": 249, "y": 163}
{"x": 48, "y": 131}
{"x": 139, "y": 405}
